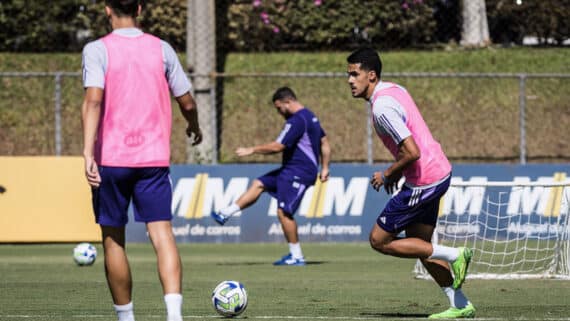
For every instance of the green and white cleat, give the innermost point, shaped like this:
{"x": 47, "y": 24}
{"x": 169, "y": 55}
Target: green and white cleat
{"x": 460, "y": 266}
{"x": 455, "y": 313}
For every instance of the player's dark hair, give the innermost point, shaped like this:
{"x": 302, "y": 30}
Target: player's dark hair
{"x": 368, "y": 59}
{"x": 284, "y": 93}
{"x": 124, "y": 8}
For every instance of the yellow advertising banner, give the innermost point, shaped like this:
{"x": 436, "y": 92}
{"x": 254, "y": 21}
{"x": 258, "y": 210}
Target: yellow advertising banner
{"x": 45, "y": 199}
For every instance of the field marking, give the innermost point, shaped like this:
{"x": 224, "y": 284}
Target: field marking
{"x": 277, "y": 317}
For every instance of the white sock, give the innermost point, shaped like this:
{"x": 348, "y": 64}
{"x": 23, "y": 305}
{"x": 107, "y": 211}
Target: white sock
{"x": 173, "y": 306}
{"x": 456, "y": 297}
{"x": 446, "y": 253}
{"x": 230, "y": 210}
{"x": 295, "y": 250}
{"x": 125, "y": 312}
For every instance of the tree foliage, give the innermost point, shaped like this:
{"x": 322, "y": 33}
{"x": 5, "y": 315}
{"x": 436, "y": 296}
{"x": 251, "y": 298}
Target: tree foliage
{"x": 66, "y": 25}
{"x": 309, "y": 24}
{"x": 510, "y": 21}
{"x": 253, "y": 25}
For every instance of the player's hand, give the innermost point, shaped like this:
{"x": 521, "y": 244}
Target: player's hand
{"x": 324, "y": 175}
{"x": 390, "y": 185}
{"x": 195, "y": 134}
{"x": 244, "y": 151}
{"x": 92, "y": 172}
{"x": 377, "y": 181}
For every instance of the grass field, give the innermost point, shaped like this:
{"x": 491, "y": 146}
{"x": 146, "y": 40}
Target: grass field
{"x": 341, "y": 282}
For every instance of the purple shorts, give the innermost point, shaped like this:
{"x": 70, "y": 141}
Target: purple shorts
{"x": 412, "y": 205}
{"x": 287, "y": 189}
{"x": 149, "y": 188}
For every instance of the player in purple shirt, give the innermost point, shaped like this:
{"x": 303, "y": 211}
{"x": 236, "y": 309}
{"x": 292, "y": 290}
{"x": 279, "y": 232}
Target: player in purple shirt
{"x": 303, "y": 142}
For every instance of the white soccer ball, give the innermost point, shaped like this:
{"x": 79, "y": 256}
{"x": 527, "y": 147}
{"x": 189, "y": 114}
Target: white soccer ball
{"x": 84, "y": 254}
{"x": 229, "y": 298}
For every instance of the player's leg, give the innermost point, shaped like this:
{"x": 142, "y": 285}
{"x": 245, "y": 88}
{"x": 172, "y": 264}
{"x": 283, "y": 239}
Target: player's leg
{"x": 264, "y": 183}
{"x": 250, "y": 196}
{"x": 438, "y": 269}
{"x": 244, "y": 201}
{"x": 117, "y": 270}
{"x": 389, "y": 243}
{"x": 169, "y": 266}
{"x": 110, "y": 205}
{"x": 289, "y": 226}
{"x": 458, "y": 258}
{"x": 168, "y": 258}
{"x": 460, "y": 307}
{"x": 289, "y": 194}
{"x": 152, "y": 200}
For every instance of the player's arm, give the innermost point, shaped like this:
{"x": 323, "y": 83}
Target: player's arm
{"x": 90, "y": 115}
{"x": 180, "y": 87}
{"x": 390, "y": 117}
{"x": 93, "y": 66}
{"x": 189, "y": 110}
{"x": 269, "y": 148}
{"x": 289, "y": 136}
{"x": 325, "y": 158}
{"x": 408, "y": 153}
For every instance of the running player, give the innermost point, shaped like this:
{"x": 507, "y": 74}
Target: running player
{"x": 420, "y": 160}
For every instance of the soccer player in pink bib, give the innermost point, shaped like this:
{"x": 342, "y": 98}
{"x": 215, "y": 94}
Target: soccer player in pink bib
{"x": 128, "y": 76}
{"x": 420, "y": 160}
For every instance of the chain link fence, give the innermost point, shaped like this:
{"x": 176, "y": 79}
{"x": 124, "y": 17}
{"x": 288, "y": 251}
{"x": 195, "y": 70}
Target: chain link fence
{"x": 476, "y": 116}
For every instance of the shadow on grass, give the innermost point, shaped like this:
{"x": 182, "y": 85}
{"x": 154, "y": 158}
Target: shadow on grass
{"x": 394, "y": 315}
{"x": 265, "y": 263}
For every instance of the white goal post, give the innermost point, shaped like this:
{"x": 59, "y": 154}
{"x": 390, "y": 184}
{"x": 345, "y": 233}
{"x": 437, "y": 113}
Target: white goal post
{"x": 517, "y": 229}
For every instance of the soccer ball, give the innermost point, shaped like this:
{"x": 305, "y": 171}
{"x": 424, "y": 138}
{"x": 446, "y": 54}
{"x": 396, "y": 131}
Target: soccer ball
{"x": 229, "y": 298}
{"x": 84, "y": 254}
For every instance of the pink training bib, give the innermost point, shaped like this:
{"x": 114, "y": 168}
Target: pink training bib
{"x": 433, "y": 165}
{"x": 136, "y": 119}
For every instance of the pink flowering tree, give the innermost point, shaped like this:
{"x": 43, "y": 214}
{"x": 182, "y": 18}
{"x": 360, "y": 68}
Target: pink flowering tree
{"x": 327, "y": 24}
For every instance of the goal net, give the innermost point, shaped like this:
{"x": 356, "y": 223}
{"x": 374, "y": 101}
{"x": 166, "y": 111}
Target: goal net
{"x": 517, "y": 229}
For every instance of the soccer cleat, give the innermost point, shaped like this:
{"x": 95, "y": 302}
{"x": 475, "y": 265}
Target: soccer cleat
{"x": 455, "y": 313}
{"x": 219, "y": 218}
{"x": 289, "y": 260}
{"x": 460, "y": 265}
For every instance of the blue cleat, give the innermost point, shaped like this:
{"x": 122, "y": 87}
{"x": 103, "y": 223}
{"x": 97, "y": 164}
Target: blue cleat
{"x": 219, "y": 218}
{"x": 289, "y": 260}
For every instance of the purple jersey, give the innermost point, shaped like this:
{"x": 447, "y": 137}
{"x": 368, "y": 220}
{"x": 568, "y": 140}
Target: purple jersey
{"x": 301, "y": 136}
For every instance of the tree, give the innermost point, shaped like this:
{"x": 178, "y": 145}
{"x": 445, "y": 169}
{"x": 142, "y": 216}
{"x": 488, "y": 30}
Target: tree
{"x": 475, "y": 31}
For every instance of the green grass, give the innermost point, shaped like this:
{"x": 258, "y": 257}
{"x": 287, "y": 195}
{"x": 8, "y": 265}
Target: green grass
{"x": 342, "y": 282}
{"x": 514, "y": 60}
{"x": 473, "y": 119}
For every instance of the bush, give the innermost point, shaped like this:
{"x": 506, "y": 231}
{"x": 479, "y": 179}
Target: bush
{"x": 266, "y": 25}
{"x": 304, "y": 24}
{"x": 67, "y": 25}
{"x": 510, "y": 22}
{"x": 37, "y": 26}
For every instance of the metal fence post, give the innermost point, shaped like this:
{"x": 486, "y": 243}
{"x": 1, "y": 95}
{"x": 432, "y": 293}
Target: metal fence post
{"x": 57, "y": 115}
{"x": 522, "y": 117}
{"x": 214, "y": 129}
{"x": 369, "y": 158}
